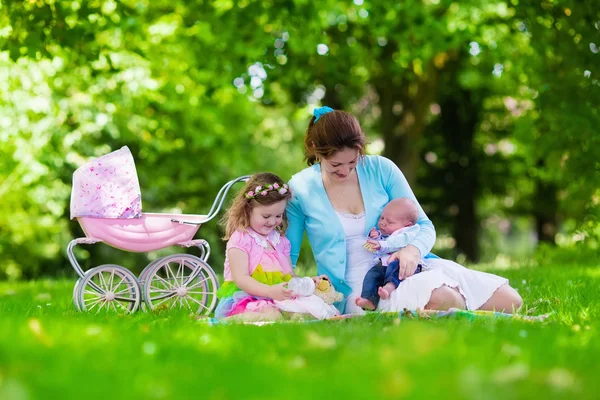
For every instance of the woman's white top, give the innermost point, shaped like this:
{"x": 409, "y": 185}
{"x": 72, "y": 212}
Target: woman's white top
{"x": 359, "y": 260}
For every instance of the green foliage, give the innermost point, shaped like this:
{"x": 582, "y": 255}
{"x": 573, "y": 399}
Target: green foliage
{"x": 157, "y": 80}
{"x": 203, "y": 92}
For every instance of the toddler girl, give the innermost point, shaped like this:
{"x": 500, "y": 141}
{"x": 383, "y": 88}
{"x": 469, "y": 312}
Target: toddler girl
{"x": 257, "y": 262}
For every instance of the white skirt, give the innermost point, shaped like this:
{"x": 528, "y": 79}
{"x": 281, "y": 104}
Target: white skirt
{"x": 415, "y": 292}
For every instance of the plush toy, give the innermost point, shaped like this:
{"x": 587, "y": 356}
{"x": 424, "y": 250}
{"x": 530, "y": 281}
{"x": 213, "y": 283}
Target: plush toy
{"x": 325, "y": 291}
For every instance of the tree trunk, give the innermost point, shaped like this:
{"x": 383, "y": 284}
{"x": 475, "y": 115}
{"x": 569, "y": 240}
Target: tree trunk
{"x": 404, "y": 112}
{"x": 459, "y": 119}
{"x": 545, "y": 211}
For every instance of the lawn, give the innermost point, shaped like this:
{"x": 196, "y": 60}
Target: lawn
{"x": 48, "y": 350}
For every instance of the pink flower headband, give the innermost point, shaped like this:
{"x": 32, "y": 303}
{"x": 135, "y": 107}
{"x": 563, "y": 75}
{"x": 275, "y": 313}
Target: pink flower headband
{"x": 259, "y": 190}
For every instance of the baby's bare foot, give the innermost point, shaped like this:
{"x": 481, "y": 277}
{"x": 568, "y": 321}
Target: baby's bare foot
{"x": 383, "y": 293}
{"x": 386, "y": 290}
{"x": 365, "y": 304}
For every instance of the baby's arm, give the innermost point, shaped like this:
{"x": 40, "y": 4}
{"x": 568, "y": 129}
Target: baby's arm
{"x": 372, "y": 244}
{"x": 400, "y": 240}
{"x": 238, "y": 262}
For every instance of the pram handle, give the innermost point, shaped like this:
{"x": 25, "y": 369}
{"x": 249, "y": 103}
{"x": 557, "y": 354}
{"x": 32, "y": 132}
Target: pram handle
{"x": 218, "y": 203}
{"x": 187, "y": 222}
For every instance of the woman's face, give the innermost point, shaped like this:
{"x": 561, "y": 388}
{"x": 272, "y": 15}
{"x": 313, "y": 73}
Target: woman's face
{"x": 340, "y": 164}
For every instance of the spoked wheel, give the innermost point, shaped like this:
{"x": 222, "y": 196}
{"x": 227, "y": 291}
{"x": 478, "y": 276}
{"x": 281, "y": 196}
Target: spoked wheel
{"x": 108, "y": 287}
{"x": 142, "y": 278}
{"x": 76, "y": 294}
{"x": 180, "y": 281}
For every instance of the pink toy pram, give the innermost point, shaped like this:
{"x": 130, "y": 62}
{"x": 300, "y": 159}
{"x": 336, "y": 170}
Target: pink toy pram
{"x": 106, "y": 201}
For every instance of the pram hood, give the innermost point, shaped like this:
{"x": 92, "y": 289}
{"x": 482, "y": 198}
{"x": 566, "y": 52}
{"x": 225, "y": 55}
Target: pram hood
{"x": 107, "y": 187}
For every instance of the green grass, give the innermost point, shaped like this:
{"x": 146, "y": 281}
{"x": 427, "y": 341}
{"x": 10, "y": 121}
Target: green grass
{"x": 48, "y": 350}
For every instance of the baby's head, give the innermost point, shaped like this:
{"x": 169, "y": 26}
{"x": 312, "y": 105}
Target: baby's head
{"x": 397, "y": 214}
{"x": 260, "y": 205}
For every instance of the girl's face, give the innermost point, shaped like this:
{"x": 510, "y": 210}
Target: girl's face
{"x": 263, "y": 219}
{"x": 340, "y": 165}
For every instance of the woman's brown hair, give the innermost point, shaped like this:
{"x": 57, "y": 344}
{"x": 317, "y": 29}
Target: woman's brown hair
{"x": 332, "y": 132}
{"x": 238, "y": 215}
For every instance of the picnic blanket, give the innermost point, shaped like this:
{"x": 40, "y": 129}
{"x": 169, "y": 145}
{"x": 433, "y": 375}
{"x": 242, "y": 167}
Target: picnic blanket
{"x": 469, "y": 315}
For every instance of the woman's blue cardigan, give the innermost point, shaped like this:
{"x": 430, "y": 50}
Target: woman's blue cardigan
{"x": 310, "y": 210}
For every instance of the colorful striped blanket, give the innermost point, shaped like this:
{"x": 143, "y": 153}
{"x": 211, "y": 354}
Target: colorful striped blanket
{"x": 469, "y": 315}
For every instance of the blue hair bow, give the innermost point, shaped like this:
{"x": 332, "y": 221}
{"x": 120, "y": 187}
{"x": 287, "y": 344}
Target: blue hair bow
{"x": 319, "y": 112}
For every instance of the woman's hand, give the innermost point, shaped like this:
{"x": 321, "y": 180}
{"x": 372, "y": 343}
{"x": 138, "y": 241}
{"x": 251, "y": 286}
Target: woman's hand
{"x": 408, "y": 257}
{"x": 280, "y": 292}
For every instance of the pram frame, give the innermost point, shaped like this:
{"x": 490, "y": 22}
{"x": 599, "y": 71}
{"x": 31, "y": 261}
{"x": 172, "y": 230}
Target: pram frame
{"x": 201, "y": 244}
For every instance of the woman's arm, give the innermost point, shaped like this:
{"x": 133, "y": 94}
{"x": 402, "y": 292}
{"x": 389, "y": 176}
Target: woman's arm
{"x": 295, "y": 230}
{"x": 293, "y": 273}
{"x": 238, "y": 262}
{"x": 396, "y": 186}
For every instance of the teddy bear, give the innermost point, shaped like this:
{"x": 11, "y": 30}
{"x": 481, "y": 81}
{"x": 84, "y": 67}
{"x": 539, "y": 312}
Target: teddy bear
{"x": 325, "y": 291}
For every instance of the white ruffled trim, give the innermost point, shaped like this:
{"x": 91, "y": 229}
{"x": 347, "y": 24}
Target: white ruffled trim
{"x": 274, "y": 238}
{"x": 350, "y": 215}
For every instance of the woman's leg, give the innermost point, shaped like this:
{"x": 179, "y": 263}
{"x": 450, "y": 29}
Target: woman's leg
{"x": 444, "y": 298}
{"x": 481, "y": 290}
{"x": 430, "y": 289}
{"x": 505, "y": 299}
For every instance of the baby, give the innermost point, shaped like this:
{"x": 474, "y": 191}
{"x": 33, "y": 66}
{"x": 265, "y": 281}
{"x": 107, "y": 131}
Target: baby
{"x": 397, "y": 228}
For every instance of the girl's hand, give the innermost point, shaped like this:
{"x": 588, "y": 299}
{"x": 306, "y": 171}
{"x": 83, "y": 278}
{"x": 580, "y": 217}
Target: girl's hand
{"x": 373, "y": 234}
{"x": 408, "y": 257}
{"x": 280, "y": 292}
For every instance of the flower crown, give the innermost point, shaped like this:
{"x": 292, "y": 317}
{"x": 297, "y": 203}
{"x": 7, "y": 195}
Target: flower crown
{"x": 262, "y": 191}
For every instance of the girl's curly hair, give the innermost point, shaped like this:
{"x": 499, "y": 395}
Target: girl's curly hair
{"x": 238, "y": 214}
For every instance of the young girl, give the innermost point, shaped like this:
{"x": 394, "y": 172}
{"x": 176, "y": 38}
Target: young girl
{"x": 257, "y": 262}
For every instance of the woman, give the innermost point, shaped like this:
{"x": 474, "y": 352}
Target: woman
{"x": 339, "y": 198}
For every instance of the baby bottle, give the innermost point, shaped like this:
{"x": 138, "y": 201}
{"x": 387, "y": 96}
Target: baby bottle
{"x": 302, "y": 286}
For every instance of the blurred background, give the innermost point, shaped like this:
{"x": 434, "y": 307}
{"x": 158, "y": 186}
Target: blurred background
{"x": 490, "y": 108}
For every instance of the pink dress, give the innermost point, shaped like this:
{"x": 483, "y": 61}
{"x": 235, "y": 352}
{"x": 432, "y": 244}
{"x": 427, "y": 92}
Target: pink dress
{"x": 269, "y": 265}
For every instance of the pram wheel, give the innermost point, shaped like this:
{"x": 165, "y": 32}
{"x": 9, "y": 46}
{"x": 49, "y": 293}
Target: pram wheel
{"x": 145, "y": 271}
{"x": 142, "y": 278}
{"x": 108, "y": 287}
{"x": 180, "y": 280}
{"x": 76, "y": 294}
